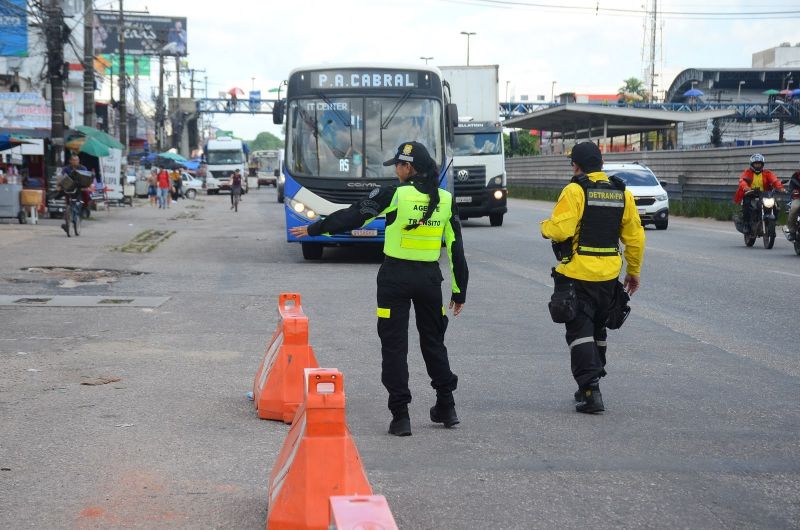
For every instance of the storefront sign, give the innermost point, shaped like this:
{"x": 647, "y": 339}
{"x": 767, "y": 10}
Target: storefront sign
{"x": 24, "y": 110}
{"x": 13, "y": 28}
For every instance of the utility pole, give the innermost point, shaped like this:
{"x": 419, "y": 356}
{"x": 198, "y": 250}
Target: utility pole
{"x": 191, "y": 90}
{"x": 123, "y": 110}
{"x": 177, "y": 132}
{"x": 136, "y": 85}
{"x": 88, "y": 64}
{"x": 653, "y": 51}
{"x": 54, "y": 28}
{"x": 160, "y": 105}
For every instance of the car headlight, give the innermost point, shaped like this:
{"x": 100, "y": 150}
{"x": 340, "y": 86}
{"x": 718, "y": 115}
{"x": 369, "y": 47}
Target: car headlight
{"x": 302, "y": 209}
{"x": 769, "y": 202}
{"x": 663, "y": 197}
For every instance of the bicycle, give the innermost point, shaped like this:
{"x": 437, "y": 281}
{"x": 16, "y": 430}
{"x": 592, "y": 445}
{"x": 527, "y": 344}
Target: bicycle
{"x": 73, "y": 214}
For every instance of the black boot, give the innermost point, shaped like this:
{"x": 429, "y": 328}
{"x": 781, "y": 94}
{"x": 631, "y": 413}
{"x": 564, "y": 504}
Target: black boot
{"x": 401, "y": 423}
{"x": 591, "y": 400}
{"x": 578, "y": 395}
{"x": 445, "y": 412}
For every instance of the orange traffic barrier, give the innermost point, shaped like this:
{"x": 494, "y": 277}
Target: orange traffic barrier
{"x": 278, "y": 386}
{"x": 360, "y": 512}
{"x": 318, "y": 458}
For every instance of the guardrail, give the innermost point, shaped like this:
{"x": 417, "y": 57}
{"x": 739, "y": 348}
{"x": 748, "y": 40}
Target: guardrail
{"x": 692, "y": 174}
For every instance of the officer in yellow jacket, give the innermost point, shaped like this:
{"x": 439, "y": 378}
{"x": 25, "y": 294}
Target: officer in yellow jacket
{"x": 418, "y": 216}
{"x": 592, "y": 215}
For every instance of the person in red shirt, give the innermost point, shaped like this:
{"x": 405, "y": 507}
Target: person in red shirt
{"x": 756, "y": 177}
{"x": 163, "y": 188}
{"x": 794, "y": 189}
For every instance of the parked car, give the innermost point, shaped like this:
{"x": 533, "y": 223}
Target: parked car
{"x": 191, "y": 185}
{"x": 652, "y": 199}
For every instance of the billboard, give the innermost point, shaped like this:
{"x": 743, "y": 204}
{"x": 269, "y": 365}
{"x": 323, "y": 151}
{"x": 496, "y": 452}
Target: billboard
{"x": 13, "y": 28}
{"x": 113, "y": 62}
{"x": 144, "y": 34}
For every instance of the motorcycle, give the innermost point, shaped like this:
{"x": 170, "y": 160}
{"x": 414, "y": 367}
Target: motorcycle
{"x": 794, "y": 241}
{"x": 763, "y": 217}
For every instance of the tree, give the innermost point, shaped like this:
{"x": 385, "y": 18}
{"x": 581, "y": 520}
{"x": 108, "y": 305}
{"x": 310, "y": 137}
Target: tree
{"x": 632, "y": 86}
{"x": 265, "y": 140}
{"x": 528, "y": 145}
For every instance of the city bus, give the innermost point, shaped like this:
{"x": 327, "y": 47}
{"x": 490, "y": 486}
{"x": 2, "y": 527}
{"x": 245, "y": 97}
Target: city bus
{"x": 342, "y": 123}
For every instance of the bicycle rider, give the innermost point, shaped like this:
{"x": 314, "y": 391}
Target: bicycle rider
{"x": 76, "y": 193}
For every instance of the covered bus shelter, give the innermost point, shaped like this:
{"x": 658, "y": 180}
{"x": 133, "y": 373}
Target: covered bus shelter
{"x": 592, "y": 122}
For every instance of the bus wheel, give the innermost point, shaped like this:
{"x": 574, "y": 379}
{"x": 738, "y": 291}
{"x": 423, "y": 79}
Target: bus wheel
{"x": 312, "y": 250}
{"x": 496, "y": 219}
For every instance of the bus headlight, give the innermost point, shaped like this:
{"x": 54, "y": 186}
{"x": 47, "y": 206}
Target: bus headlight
{"x": 301, "y": 209}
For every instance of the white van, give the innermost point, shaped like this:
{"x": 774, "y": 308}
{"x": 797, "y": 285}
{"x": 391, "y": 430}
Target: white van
{"x": 652, "y": 200}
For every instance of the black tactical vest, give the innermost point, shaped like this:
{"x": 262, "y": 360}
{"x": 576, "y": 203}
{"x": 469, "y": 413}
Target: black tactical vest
{"x": 600, "y": 225}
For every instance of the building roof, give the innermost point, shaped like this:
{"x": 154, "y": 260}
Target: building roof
{"x": 726, "y": 80}
{"x": 577, "y": 120}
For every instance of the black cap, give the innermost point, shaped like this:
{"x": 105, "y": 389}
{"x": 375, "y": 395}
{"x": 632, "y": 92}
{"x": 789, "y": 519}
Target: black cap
{"x": 415, "y": 154}
{"x": 587, "y": 156}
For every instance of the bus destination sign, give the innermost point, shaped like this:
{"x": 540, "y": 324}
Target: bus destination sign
{"x": 364, "y": 79}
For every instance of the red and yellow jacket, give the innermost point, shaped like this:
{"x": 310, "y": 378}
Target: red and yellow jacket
{"x": 769, "y": 182}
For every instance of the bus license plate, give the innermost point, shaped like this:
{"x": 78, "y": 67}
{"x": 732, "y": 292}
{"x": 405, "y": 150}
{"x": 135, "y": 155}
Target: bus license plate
{"x": 463, "y": 199}
{"x": 364, "y": 233}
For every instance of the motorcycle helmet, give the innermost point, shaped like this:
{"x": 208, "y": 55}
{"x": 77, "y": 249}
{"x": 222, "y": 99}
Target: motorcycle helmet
{"x": 757, "y": 162}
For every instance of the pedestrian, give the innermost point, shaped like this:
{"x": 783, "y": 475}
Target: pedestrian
{"x": 163, "y": 188}
{"x": 151, "y": 187}
{"x": 236, "y": 189}
{"x": 175, "y": 177}
{"x": 418, "y": 216}
{"x": 592, "y": 215}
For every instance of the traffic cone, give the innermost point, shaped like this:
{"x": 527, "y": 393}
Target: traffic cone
{"x": 318, "y": 458}
{"x": 360, "y": 512}
{"x": 278, "y": 385}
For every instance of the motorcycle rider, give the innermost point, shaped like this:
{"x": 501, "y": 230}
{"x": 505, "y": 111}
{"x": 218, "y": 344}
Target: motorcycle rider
{"x": 756, "y": 177}
{"x": 794, "y": 189}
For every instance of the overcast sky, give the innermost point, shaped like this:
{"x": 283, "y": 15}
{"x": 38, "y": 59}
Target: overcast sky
{"x": 582, "y": 50}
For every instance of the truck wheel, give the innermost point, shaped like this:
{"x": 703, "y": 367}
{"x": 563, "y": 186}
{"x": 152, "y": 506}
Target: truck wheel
{"x": 312, "y": 251}
{"x": 496, "y": 219}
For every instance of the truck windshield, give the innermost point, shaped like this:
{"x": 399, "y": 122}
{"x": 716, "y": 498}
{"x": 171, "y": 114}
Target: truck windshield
{"x": 351, "y": 137}
{"x": 477, "y": 144}
{"x": 225, "y": 157}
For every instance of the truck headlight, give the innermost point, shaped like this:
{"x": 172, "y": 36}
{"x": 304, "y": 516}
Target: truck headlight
{"x": 498, "y": 195}
{"x": 663, "y": 197}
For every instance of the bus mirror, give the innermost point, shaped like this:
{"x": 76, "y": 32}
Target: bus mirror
{"x": 277, "y": 111}
{"x": 452, "y": 114}
{"x": 513, "y": 139}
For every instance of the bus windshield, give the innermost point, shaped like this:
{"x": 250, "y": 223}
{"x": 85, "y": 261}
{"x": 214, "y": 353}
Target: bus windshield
{"x": 224, "y": 157}
{"x": 477, "y": 144}
{"x": 351, "y": 137}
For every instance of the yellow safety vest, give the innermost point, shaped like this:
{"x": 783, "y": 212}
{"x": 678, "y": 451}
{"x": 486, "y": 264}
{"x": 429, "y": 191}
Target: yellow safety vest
{"x": 758, "y": 181}
{"x": 423, "y": 243}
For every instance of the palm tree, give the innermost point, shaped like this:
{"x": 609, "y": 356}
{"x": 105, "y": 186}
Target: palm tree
{"x": 632, "y": 86}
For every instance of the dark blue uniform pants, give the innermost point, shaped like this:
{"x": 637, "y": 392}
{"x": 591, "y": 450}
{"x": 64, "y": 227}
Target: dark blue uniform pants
{"x": 586, "y": 333}
{"x": 401, "y": 282}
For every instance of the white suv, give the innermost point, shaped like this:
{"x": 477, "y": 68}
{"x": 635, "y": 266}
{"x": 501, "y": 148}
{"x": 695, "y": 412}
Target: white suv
{"x": 652, "y": 200}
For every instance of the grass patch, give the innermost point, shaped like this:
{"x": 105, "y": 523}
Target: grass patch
{"x": 705, "y": 208}
{"x": 146, "y": 241}
{"x": 533, "y": 194}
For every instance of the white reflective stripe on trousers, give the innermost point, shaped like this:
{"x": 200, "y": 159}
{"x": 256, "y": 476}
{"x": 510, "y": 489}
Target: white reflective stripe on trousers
{"x": 582, "y": 340}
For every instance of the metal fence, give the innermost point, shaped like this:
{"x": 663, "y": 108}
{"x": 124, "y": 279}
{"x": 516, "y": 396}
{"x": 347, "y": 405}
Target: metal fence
{"x": 692, "y": 174}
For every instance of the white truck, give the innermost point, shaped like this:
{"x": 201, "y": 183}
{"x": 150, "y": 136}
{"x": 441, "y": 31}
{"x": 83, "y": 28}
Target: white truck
{"x": 224, "y": 155}
{"x": 478, "y": 153}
